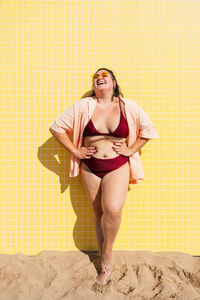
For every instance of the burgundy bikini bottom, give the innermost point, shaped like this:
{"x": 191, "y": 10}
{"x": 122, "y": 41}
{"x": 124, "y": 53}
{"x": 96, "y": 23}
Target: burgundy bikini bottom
{"x": 101, "y": 166}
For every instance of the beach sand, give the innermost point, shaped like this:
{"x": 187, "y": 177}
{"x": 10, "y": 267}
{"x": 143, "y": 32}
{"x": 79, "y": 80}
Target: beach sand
{"x": 138, "y": 275}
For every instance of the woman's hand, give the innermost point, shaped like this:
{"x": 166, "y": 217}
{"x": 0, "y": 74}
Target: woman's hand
{"x": 121, "y": 148}
{"x": 85, "y": 152}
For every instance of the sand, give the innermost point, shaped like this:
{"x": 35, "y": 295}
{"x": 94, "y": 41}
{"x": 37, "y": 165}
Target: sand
{"x": 138, "y": 275}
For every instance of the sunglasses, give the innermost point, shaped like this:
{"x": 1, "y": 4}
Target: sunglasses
{"x": 104, "y": 74}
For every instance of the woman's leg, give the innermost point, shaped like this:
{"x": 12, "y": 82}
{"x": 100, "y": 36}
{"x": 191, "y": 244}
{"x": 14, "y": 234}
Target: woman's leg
{"x": 92, "y": 186}
{"x": 114, "y": 187}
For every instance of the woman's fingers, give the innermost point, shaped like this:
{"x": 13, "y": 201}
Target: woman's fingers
{"x": 117, "y": 150}
{"x": 118, "y": 144}
{"x": 91, "y": 151}
{"x": 91, "y": 148}
{"x": 117, "y": 147}
{"x": 87, "y": 152}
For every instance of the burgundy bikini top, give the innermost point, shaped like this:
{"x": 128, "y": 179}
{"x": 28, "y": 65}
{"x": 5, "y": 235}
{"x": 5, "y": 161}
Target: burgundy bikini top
{"x": 121, "y": 131}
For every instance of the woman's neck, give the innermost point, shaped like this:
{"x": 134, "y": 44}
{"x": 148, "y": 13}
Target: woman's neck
{"x": 106, "y": 100}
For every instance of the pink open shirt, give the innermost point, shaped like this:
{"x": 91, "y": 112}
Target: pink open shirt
{"x": 74, "y": 119}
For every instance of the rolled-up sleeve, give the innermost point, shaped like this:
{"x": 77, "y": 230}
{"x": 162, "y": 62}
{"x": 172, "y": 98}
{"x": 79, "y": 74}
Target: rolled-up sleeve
{"x": 146, "y": 127}
{"x": 64, "y": 123}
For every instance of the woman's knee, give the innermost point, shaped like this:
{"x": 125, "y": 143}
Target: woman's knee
{"x": 113, "y": 212}
{"x": 112, "y": 204}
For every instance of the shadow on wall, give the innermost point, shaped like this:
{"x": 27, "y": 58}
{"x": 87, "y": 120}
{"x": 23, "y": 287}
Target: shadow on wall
{"x": 84, "y": 226}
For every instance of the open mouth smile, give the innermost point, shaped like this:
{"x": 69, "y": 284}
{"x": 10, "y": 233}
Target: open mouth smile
{"x": 101, "y": 82}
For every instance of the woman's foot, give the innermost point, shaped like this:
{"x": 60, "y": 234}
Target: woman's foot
{"x": 106, "y": 269}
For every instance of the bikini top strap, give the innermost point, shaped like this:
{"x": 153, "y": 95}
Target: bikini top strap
{"x": 120, "y": 106}
{"x": 121, "y": 109}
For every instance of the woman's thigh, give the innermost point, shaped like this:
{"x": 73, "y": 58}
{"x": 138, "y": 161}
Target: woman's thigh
{"x": 92, "y": 184}
{"x": 114, "y": 187}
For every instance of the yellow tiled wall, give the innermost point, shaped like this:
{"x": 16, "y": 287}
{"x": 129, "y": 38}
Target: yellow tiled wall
{"x": 48, "y": 52}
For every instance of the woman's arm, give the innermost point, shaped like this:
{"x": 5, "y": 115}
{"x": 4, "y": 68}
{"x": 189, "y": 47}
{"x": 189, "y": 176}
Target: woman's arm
{"x": 64, "y": 140}
{"x": 138, "y": 144}
{"x": 63, "y": 125}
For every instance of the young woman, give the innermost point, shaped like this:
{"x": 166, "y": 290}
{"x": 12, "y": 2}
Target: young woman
{"x": 108, "y": 130}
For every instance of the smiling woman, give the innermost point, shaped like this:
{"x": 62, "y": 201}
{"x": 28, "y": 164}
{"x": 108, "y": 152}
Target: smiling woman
{"x": 106, "y": 72}
{"x": 108, "y": 131}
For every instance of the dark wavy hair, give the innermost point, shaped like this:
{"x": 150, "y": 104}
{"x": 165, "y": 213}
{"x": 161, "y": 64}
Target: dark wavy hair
{"x": 117, "y": 90}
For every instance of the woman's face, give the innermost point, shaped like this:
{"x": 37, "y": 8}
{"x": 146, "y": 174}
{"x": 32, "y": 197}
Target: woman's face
{"x": 102, "y": 81}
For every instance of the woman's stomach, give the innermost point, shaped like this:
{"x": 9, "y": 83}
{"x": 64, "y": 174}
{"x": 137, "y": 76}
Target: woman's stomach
{"x": 103, "y": 144}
